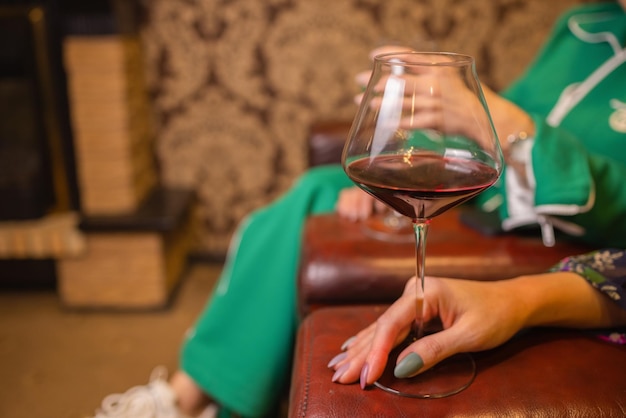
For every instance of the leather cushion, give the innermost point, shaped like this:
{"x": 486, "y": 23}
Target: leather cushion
{"x": 539, "y": 373}
{"x": 341, "y": 264}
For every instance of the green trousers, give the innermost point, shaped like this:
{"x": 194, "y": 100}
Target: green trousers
{"x": 240, "y": 349}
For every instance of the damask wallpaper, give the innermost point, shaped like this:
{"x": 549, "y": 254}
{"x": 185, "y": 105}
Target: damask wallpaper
{"x": 235, "y": 85}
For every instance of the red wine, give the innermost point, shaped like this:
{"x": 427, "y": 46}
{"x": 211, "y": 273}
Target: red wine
{"x": 421, "y": 186}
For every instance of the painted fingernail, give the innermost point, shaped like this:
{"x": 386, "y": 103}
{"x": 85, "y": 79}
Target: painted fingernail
{"x": 340, "y": 371}
{"x": 363, "y": 376}
{"x": 337, "y": 359}
{"x": 408, "y": 366}
{"x": 348, "y": 343}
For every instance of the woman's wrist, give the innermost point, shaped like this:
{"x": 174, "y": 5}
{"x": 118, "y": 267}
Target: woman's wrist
{"x": 518, "y": 129}
{"x": 509, "y": 119}
{"x": 563, "y": 299}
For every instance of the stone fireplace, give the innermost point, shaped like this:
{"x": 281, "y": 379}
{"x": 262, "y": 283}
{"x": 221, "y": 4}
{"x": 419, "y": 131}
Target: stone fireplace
{"x": 38, "y": 189}
{"x": 76, "y": 157}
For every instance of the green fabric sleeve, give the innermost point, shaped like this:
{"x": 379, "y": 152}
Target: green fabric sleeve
{"x": 577, "y": 186}
{"x": 580, "y": 166}
{"x": 561, "y": 169}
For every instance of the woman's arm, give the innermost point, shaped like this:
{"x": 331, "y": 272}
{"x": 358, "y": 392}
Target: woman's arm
{"x": 478, "y": 316}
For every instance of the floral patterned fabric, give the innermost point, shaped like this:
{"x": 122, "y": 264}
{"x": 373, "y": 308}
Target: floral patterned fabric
{"x": 605, "y": 270}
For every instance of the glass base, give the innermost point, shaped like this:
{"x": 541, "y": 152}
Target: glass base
{"x": 389, "y": 227}
{"x": 447, "y": 378}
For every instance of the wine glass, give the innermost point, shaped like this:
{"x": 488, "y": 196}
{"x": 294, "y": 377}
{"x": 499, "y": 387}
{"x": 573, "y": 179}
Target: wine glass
{"x": 422, "y": 142}
{"x": 387, "y": 224}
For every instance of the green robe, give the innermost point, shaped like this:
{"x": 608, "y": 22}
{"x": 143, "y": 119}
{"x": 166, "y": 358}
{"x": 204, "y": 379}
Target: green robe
{"x": 240, "y": 349}
{"x": 579, "y": 157}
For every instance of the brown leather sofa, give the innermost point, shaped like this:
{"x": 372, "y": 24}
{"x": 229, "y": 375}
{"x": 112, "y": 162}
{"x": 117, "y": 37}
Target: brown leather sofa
{"x": 347, "y": 278}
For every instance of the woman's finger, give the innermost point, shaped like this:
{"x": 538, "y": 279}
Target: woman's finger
{"x": 392, "y": 327}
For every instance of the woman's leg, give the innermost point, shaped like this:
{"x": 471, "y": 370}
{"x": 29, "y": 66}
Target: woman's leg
{"x": 191, "y": 399}
{"x": 240, "y": 349}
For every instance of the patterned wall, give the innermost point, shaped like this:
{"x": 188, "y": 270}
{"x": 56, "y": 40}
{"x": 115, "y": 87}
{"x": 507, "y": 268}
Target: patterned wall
{"x": 236, "y": 84}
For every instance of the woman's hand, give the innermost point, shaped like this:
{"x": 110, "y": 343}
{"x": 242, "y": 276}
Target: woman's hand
{"x": 507, "y": 117}
{"x": 475, "y": 316}
{"x": 357, "y": 205}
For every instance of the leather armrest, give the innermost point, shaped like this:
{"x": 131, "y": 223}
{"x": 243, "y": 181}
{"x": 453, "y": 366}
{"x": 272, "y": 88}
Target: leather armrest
{"x": 340, "y": 264}
{"x": 326, "y": 141}
{"x": 539, "y": 373}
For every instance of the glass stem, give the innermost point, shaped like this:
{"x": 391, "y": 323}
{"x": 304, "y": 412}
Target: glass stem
{"x": 421, "y": 229}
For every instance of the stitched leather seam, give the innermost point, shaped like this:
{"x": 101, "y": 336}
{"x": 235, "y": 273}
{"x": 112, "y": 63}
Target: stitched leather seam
{"x": 309, "y": 364}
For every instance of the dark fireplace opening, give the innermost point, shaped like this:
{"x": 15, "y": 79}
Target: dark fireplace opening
{"x": 37, "y": 171}
{"x": 26, "y": 186}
